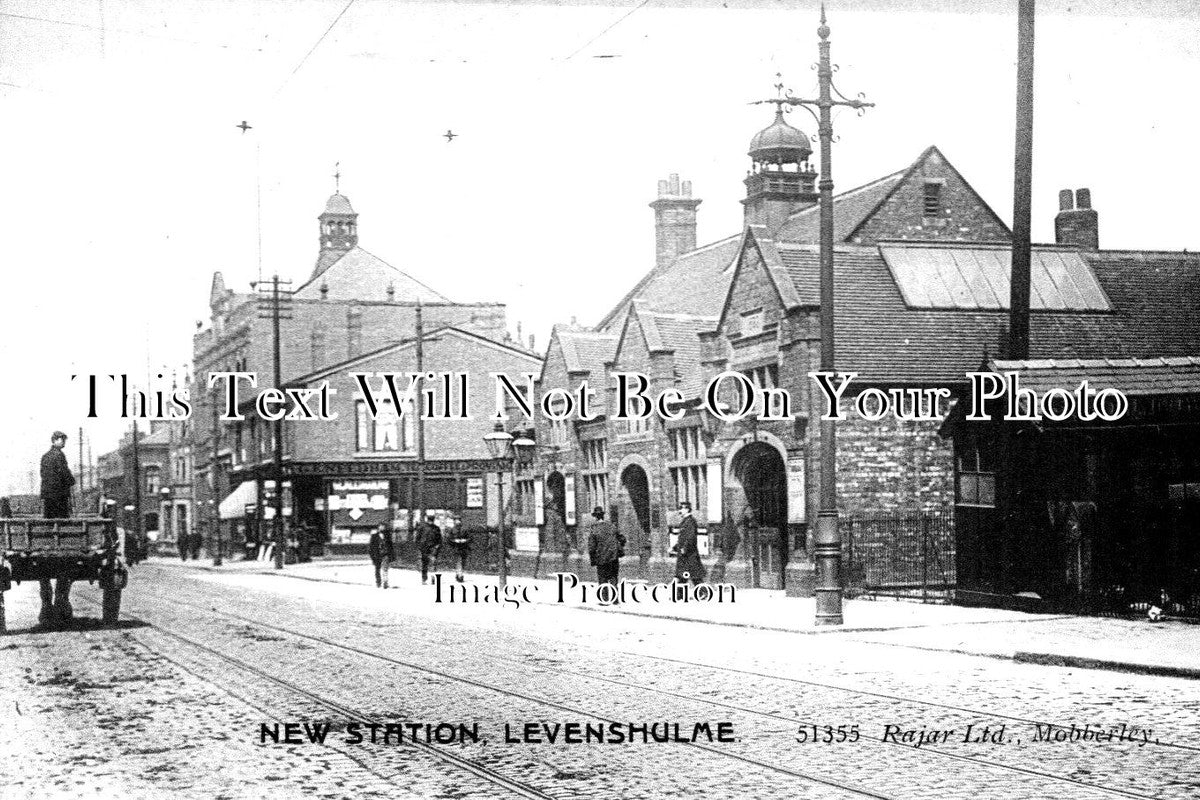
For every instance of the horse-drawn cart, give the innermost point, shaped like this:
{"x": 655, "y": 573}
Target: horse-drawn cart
{"x": 75, "y": 549}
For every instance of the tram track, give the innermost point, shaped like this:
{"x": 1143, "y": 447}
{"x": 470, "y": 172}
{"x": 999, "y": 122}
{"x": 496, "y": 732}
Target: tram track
{"x": 483, "y": 771}
{"x": 926, "y": 751}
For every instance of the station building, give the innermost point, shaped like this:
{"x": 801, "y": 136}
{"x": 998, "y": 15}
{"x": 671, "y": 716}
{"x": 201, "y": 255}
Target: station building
{"x": 921, "y": 268}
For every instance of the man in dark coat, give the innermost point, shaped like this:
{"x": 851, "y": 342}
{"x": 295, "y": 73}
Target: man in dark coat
{"x": 382, "y": 554}
{"x": 429, "y": 541}
{"x": 57, "y": 481}
{"x": 688, "y": 565}
{"x": 605, "y": 548}
{"x": 460, "y": 541}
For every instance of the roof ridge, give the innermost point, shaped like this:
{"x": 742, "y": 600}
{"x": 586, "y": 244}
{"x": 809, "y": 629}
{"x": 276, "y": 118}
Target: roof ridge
{"x": 390, "y": 265}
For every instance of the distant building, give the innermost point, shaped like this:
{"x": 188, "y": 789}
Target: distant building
{"x": 353, "y": 305}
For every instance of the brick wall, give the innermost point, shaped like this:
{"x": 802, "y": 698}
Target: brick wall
{"x": 964, "y": 215}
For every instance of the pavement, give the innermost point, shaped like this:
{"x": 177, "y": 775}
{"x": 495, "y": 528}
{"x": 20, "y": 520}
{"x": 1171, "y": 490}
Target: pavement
{"x": 1169, "y": 648}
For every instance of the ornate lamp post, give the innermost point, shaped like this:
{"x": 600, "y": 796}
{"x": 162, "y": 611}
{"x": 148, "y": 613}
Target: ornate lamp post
{"x": 827, "y": 538}
{"x": 504, "y": 451}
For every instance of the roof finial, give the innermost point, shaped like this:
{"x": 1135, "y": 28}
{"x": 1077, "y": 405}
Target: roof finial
{"x": 823, "y": 30}
{"x": 337, "y": 177}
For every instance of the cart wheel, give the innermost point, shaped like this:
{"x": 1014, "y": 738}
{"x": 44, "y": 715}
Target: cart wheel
{"x": 112, "y": 606}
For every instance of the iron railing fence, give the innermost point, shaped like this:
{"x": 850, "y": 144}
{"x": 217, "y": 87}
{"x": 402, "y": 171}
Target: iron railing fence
{"x": 905, "y": 555}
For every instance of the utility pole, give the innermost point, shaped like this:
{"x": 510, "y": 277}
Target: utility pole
{"x": 420, "y": 418}
{"x": 139, "y": 524}
{"x": 827, "y": 537}
{"x": 82, "y": 475}
{"x": 214, "y": 511}
{"x": 1018, "y": 337}
{"x": 276, "y": 305}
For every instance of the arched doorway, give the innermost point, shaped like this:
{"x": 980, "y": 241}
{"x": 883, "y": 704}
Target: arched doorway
{"x": 761, "y": 471}
{"x": 555, "y": 507}
{"x": 635, "y": 493}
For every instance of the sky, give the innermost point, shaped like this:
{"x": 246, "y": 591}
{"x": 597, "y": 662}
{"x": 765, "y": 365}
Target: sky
{"x": 124, "y": 183}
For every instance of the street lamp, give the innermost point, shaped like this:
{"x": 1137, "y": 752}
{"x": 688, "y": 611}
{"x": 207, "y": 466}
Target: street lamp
{"x": 504, "y": 450}
{"x": 827, "y": 538}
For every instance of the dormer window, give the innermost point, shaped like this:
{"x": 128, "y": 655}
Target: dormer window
{"x": 933, "y": 199}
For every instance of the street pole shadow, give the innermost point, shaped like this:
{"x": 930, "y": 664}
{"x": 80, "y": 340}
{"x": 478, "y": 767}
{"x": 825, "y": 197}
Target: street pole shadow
{"x": 76, "y": 625}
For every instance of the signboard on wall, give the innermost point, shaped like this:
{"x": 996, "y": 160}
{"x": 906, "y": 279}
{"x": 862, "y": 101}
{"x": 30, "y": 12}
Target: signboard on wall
{"x": 569, "y": 491}
{"x": 797, "y": 508}
{"x": 474, "y": 492}
{"x": 716, "y": 494}
{"x": 526, "y": 538}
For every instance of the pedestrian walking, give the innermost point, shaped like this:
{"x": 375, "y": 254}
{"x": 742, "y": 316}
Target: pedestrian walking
{"x": 605, "y": 548}
{"x": 382, "y": 554}
{"x": 57, "y": 481}
{"x": 688, "y": 565}
{"x": 460, "y": 540}
{"x": 429, "y": 541}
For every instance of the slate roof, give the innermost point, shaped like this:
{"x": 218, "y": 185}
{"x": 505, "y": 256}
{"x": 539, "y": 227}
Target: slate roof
{"x": 1133, "y": 376}
{"x": 694, "y": 283}
{"x": 678, "y": 334}
{"x": 585, "y": 351}
{"x": 850, "y": 209}
{"x": 359, "y": 275}
{"x": 1155, "y": 313}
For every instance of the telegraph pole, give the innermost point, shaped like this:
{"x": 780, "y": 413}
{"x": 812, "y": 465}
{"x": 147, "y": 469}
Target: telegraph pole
{"x": 827, "y": 538}
{"x": 420, "y": 418}
{"x": 277, "y": 306}
{"x": 1018, "y": 338}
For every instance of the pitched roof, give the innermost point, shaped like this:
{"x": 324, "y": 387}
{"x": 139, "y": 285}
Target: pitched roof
{"x": 694, "y": 283}
{"x": 678, "y": 334}
{"x": 1133, "y": 376}
{"x": 359, "y": 275}
{"x": 1155, "y": 313}
{"x": 850, "y": 209}
{"x": 585, "y": 351}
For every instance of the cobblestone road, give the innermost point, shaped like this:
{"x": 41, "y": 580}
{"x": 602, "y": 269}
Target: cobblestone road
{"x": 173, "y": 703}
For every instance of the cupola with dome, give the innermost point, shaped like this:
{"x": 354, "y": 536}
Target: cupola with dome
{"x": 339, "y": 231}
{"x": 780, "y": 181}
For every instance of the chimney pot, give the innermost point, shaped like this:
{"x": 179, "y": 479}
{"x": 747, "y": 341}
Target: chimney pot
{"x": 531, "y": 344}
{"x": 1083, "y": 198}
{"x": 675, "y": 184}
{"x": 663, "y": 188}
{"x": 687, "y": 188}
{"x": 1065, "y": 200}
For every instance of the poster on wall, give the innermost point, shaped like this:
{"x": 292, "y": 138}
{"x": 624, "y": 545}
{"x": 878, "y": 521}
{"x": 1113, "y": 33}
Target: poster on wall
{"x": 539, "y": 502}
{"x": 474, "y": 492}
{"x": 715, "y": 491}
{"x": 797, "y": 511}
{"x": 569, "y": 498}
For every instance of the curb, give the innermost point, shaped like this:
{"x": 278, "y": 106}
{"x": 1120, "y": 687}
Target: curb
{"x": 1081, "y": 662}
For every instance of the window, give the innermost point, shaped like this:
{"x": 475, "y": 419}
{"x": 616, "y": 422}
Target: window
{"x": 558, "y": 427}
{"x": 388, "y": 432}
{"x": 765, "y": 377}
{"x": 595, "y": 472}
{"x": 933, "y": 199}
{"x": 687, "y": 466}
{"x": 976, "y": 477}
{"x": 153, "y": 480}
{"x": 239, "y": 445}
{"x": 636, "y": 426}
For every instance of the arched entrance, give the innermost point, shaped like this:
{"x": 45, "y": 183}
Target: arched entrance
{"x": 635, "y": 496}
{"x": 761, "y": 471}
{"x": 555, "y": 508}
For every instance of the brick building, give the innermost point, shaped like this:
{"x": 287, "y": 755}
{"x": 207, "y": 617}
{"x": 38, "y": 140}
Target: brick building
{"x": 921, "y": 287}
{"x": 352, "y": 303}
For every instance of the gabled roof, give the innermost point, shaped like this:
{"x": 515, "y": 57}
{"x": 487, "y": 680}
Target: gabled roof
{"x": 474, "y": 339}
{"x": 360, "y": 275}
{"x": 850, "y": 210}
{"x": 585, "y": 351}
{"x": 694, "y": 283}
{"x": 678, "y": 334}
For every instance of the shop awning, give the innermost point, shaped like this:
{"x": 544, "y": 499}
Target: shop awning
{"x": 234, "y": 506}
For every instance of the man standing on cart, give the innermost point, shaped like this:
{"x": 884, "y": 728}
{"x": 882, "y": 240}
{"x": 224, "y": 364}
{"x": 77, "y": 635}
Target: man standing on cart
{"x": 57, "y": 481}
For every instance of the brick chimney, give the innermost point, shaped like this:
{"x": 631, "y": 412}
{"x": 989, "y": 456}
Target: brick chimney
{"x": 1077, "y": 223}
{"x": 674, "y": 220}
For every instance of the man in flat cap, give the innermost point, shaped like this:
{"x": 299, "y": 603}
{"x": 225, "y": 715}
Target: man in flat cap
{"x": 57, "y": 481}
